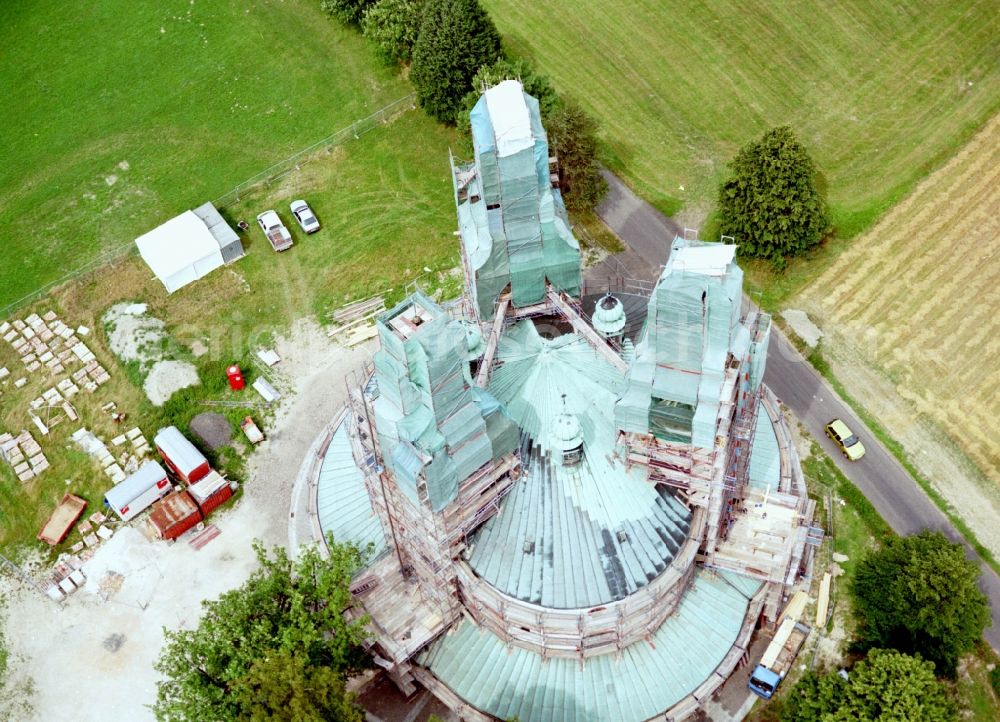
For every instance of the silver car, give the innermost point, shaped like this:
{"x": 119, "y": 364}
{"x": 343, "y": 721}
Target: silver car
{"x": 304, "y": 215}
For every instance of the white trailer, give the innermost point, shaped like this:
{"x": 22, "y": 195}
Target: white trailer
{"x": 138, "y": 491}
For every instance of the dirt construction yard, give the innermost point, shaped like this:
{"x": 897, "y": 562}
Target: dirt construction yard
{"x": 91, "y": 657}
{"x": 910, "y": 317}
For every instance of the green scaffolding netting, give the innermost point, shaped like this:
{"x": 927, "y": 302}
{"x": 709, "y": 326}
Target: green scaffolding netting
{"x": 692, "y": 328}
{"x": 433, "y": 429}
{"x": 512, "y": 221}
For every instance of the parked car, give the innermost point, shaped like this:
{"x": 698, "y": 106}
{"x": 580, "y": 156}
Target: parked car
{"x": 278, "y": 236}
{"x": 304, "y": 215}
{"x": 844, "y": 438}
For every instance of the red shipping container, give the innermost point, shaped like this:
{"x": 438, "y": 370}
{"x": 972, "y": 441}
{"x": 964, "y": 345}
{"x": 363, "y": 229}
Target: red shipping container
{"x": 211, "y": 492}
{"x": 235, "y": 376}
{"x": 174, "y": 514}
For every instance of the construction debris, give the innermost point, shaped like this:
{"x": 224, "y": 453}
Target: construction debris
{"x": 266, "y": 390}
{"x": 269, "y": 356}
{"x": 355, "y": 322}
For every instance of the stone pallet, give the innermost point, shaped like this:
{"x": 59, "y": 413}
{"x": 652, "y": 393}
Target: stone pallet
{"x": 23, "y": 454}
{"x": 47, "y": 341}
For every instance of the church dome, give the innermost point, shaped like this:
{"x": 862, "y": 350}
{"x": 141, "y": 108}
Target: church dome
{"x": 609, "y": 316}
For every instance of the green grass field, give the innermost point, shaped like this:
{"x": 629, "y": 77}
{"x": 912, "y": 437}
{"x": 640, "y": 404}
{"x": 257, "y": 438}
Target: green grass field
{"x": 118, "y": 115}
{"x": 880, "y": 93}
{"x": 387, "y": 212}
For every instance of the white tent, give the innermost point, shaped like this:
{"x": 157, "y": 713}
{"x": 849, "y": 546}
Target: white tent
{"x": 180, "y": 251}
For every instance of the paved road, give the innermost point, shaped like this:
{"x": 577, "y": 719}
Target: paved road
{"x": 889, "y": 487}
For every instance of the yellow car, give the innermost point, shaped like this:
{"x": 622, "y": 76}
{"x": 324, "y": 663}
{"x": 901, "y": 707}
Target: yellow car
{"x": 844, "y": 438}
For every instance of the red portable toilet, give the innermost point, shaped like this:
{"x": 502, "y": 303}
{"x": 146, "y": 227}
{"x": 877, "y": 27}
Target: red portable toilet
{"x": 235, "y": 375}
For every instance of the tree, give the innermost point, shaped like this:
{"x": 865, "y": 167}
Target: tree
{"x": 888, "y": 685}
{"x": 456, "y": 38}
{"x": 348, "y": 12}
{"x": 282, "y": 687}
{"x": 391, "y": 26}
{"x": 274, "y": 635}
{"x": 573, "y": 138}
{"x": 770, "y": 203}
{"x": 919, "y": 594}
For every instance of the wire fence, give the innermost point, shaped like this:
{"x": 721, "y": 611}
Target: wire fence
{"x": 280, "y": 169}
{"x": 93, "y": 264}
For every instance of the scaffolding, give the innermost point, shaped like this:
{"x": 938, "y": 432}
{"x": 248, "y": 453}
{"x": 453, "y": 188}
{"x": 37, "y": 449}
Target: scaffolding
{"x": 439, "y": 453}
{"x": 512, "y": 220}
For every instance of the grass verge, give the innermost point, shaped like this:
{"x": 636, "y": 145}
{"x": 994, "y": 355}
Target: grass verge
{"x": 815, "y": 357}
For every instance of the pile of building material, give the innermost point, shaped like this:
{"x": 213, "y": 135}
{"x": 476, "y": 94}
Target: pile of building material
{"x": 45, "y": 342}
{"x": 49, "y": 409}
{"x": 93, "y": 531}
{"x": 140, "y": 446}
{"x": 65, "y": 581}
{"x": 268, "y": 357}
{"x": 355, "y": 323}
{"x": 116, "y": 469}
{"x": 91, "y": 376}
{"x": 266, "y": 390}
{"x": 24, "y": 454}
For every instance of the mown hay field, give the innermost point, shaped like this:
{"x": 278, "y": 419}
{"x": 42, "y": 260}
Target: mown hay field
{"x": 910, "y": 312}
{"x": 880, "y": 93}
{"x": 118, "y": 115}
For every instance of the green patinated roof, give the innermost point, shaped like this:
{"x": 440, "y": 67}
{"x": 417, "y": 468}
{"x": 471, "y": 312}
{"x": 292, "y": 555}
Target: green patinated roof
{"x": 582, "y": 535}
{"x": 342, "y": 502}
{"x": 765, "y": 459}
{"x": 648, "y": 678}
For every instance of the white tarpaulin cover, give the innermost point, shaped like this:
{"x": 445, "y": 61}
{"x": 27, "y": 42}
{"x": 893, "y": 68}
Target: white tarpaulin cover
{"x": 709, "y": 260}
{"x": 511, "y": 120}
{"x": 180, "y": 251}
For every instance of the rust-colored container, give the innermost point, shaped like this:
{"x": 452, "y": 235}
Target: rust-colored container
{"x": 235, "y": 376}
{"x": 174, "y": 514}
{"x": 211, "y": 492}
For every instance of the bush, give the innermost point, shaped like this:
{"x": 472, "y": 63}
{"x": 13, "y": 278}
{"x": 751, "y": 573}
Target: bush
{"x": 995, "y": 680}
{"x": 770, "y": 203}
{"x": 456, "y": 38}
{"x": 348, "y": 12}
{"x": 392, "y": 26}
{"x": 887, "y": 685}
